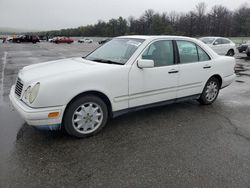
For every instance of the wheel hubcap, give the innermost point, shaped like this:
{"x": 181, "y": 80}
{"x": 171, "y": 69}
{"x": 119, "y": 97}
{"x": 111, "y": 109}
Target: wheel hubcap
{"x": 211, "y": 91}
{"x": 87, "y": 118}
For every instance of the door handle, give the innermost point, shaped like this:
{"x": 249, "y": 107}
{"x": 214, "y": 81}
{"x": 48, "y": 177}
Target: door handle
{"x": 173, "y": 71}
{"x": 207, "y": 67}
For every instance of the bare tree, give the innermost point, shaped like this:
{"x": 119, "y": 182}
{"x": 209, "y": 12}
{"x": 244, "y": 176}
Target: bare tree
{"x": 200, "y": 11}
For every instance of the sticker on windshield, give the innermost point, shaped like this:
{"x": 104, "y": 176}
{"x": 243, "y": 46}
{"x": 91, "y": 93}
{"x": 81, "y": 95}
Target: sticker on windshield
{"x": 134, "y": 43}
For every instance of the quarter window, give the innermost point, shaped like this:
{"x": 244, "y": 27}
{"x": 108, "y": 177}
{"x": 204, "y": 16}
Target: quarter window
{"x": 202, "y": 55}
{"x": 161, "y": 52}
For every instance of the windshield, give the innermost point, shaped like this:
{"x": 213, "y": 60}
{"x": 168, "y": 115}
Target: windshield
{"x": 207, "y": 40}
{"x": 117, "y": 51}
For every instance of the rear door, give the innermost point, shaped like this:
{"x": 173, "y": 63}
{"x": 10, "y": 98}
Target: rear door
{"x": 194, "y": 68}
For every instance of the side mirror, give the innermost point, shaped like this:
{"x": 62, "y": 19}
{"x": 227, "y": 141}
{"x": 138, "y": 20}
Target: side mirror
{"x": 216, "y": 43}
{"x": 145, "y": 63}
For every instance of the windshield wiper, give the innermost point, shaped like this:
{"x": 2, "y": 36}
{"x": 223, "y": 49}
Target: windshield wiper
{"x": 107, "y": 61}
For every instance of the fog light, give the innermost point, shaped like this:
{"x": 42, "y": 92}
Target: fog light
{"x": 53, "y": 114}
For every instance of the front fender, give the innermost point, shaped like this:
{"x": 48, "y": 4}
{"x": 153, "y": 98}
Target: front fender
{"x": 60, "y": 90}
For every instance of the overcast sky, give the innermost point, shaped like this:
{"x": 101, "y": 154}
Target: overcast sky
{"x": 57, "y": 14}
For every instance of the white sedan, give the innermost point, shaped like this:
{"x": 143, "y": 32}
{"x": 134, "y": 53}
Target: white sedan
{"x": 125, "y": 74}
{"x": 85, "y": 40}
{"x": 222, "y": 46}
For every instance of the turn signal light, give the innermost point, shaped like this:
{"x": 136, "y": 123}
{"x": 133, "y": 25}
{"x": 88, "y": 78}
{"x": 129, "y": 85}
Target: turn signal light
{"x": 53, "y": 114}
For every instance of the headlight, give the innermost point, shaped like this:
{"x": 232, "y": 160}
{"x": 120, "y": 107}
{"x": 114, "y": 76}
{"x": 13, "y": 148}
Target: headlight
{"x": 34, "y": 92}
{"x": 27, "y": 93}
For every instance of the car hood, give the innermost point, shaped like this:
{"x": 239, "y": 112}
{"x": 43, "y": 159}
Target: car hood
{"x": 61, "y": 67}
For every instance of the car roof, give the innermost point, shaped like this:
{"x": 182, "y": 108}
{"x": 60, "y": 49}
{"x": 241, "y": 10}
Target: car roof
{"x": 215, "y": 37}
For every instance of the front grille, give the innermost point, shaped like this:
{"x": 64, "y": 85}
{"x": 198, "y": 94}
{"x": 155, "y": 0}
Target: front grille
{"x": 19, "y": 87}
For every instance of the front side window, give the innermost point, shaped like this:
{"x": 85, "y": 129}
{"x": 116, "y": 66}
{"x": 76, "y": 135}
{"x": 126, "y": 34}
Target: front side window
{"x": 116, "y": 51}
{"x": 218, "y": 42}
{"x": 187, "y": 52}
{"x": 161, "y": 52}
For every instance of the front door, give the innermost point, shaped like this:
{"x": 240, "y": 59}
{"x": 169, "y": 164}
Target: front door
{"x": 151, "y": 85}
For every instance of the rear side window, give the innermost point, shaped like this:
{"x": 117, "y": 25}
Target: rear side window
{"x": 189, "y": 52}
{"x": 218, "y": 42}
{"x": 225, "y": 41}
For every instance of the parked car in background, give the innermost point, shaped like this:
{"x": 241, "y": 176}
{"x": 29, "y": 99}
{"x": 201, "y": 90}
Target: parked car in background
{"x": 248, "y": 51}
{"x": 3, "y": 39}
{"x": 9, "y": 39}
{"x": 143, "y": 71}
{"x": 25, "y": 38}
{"x": 42, "y": 38}
{"x": 52, "y": 39}
{"x": 104, "y": 41}
{"x": 58, "y": 40}
{"x": 221, "y": 45}
{"x": 245, "y": 48}
{"x": 85, "y": 40}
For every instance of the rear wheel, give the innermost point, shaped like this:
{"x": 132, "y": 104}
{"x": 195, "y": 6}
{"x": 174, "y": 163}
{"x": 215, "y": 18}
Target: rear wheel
{"x": 210, "y": 91}
{"x": 230, "y": 53}
{"x": 85, "y": 116}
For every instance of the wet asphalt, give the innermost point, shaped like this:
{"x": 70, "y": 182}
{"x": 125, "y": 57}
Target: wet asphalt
{"x": 178, "y": 145}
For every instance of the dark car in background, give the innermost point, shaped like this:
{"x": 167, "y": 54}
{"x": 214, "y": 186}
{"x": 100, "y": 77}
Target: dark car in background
{"x": 26, "y": 38}
{"x": 245, "y": 47}
{"x": 104, "y": 41}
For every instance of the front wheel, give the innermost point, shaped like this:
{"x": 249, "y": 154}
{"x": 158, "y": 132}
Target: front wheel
{"x": 85, "y": 116}
{"x": 210, "y": 91}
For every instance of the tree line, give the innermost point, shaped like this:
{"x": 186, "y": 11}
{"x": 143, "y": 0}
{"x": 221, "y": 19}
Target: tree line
{"x": 219, "y": 21}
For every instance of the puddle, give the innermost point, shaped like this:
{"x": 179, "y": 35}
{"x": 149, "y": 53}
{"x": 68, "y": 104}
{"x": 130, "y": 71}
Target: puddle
{"x": 2, "y": 76}
{"x": 243, "y": 74}
{"x": 10, "y": 124}
{"x": 239, "y": 81}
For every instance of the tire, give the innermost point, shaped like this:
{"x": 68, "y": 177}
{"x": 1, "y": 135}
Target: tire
{"x": 248, "y": 54}
{"x": 230, "y": 53}
{"x": 210, "y": 91}
{"x": 85, "y": 116}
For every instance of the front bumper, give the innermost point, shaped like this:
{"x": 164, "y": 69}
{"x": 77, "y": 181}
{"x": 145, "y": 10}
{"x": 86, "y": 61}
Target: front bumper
{"x": 37, "y": 117}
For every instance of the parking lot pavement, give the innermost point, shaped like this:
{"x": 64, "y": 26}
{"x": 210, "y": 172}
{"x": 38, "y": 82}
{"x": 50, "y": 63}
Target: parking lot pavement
{"x": 179, "y": 145}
